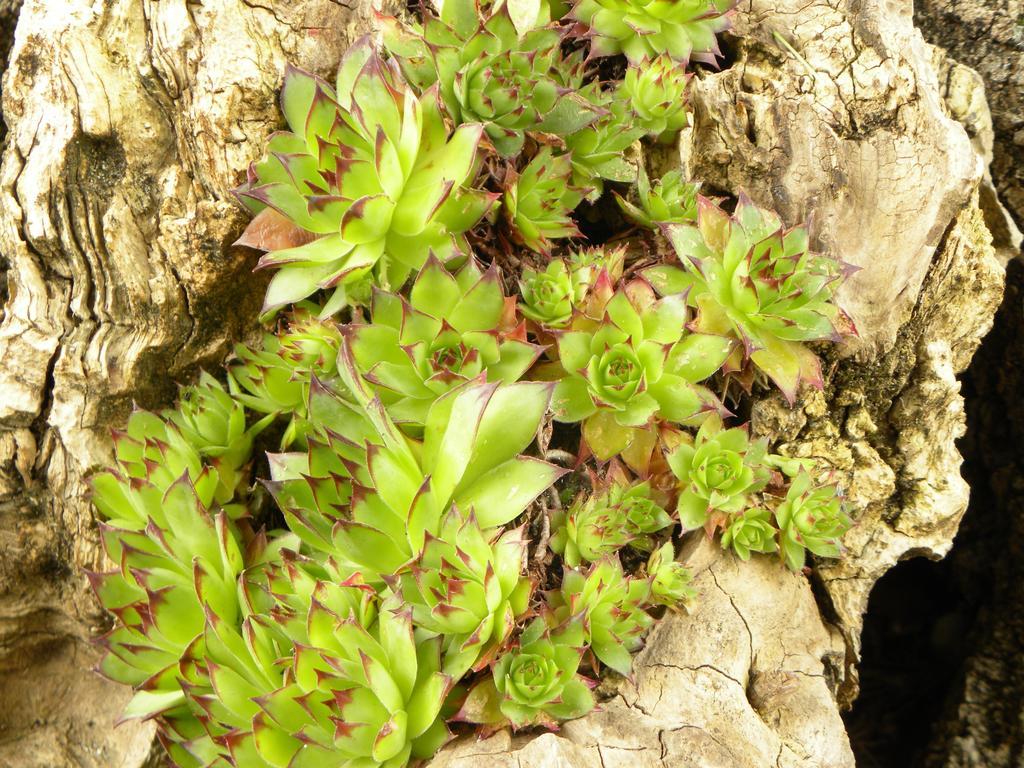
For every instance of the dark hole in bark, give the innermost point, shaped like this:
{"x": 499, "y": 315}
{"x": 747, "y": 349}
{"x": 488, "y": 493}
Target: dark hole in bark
{"x": 941, "y": 678}
{"x": 912, "y": 649}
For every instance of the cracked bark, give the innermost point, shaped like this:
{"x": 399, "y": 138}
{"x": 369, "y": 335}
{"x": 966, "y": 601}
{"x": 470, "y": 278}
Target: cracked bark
{"x": 128, "y": 123}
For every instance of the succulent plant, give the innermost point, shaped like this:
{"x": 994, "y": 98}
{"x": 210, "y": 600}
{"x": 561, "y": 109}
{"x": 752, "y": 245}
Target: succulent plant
{"x": 174, "y": 540}
{"x": 599, "y": 151}
{"x": 372, "y": 172}
{"x": 534, "y": 684}
{"x": 602, "y": 523}
{"x": 749, "y": 276}
{"x": 718, "y": 473}
{"x": 275, "y": 379}
{"x": 750, "y": 531}
{"x": 467, "y": 590}
{"x": 451, "y": 330}
{"x": 310, "y": 681}
{"x": 510, "y": 83}
{"x": 811, "y": 518}
{"x": 670, "y": 579}
{"x": 609, "y": 606}
{"x": 214, "y": 424}
{"x": 642, "y": 29}
{"x": 396, "y": 493}
{"x": 656, "y": 90}
{"x": 538, "y": 202}
{"x": 636, "y": 365}
{"x": 670, "y": 201}
{"x": 549, "y": 297}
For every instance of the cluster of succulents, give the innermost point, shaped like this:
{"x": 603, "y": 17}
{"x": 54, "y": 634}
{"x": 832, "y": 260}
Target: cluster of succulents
{"x": 361, "y": 543}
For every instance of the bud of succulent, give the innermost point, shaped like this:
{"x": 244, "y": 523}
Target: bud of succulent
{"x": 598, "y": 151}
{"x": 276, "y": 378}
{"x": 656, "y": 92}
{"x": 510, "y": 83}
{"x": 750, "y": 531}
{"x": 537, "y": 684}
{"x": 718, "y": 473}
{"x": 670, "y": 580}
{"x": 538, "y": 202}
{"x": 671, "y": 201}
{"x": 590, "y": 530}
{"x": 588, "y": 264}
{"x": 468, "y": 590}
{"x": 368, "y": 169}
{"x": 549, "y": 297}
{"x": 642, "y": 29}
{"x": 811, "y": 518}
{"x": 601, "y": 524}
{"x": 213, "y": 422}
{"x": 451, "y": 330}
{"x": 636, "y": 365}
{"x": 750, "y": 277}
{"x": 643, "y": 515}
{"x": 610, "y": 608}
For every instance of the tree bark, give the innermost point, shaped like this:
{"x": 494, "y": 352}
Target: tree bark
{"x": 129, "y": 122}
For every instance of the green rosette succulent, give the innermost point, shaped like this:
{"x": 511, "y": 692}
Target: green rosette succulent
{"x": 811, "y": 519}
{"x": 452, "y": 329}
{"x": 369, "y": 496}
{"x": 551, "y": 296}
{"x": 537, "y": 684}
{"x": 601, "y": 524}
{"x": 371, "y": 171}
{"x": 610, "y": 608}
{"x": 671, "y": 200}
{"x": 670, "y": 579}
{"x": 718, "y": 474}
{"x": 512, "y": 83}
{"x": 635, "y": 366}
{"x": 275, "y": 379}
{"x": 315, "y": 677}
{"x": 750, "y": 277}
{"x": 468, "y": 590}
{"x": 598, "y": 151}
{"x": 656, "y": 91}
{"x": 175, "y": 540}
{"x": 751, "y": 531}
{"x": 214, "y": 424}
{"x": 539, "y": 201}
{"x": 643, "y": 29}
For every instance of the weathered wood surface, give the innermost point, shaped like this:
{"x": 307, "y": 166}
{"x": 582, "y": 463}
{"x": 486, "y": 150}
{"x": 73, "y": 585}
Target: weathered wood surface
{"x": 129, "y": 122}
